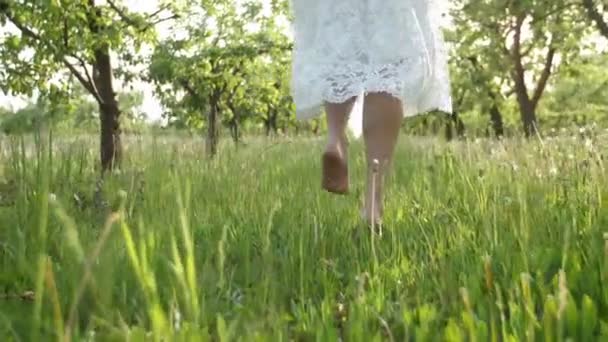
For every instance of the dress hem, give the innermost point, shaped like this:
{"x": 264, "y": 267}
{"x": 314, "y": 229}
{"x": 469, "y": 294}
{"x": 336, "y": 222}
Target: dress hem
{"x": 312, "y": 112}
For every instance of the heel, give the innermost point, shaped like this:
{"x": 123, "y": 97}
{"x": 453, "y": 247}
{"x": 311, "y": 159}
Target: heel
{"x": 335, "y": 173}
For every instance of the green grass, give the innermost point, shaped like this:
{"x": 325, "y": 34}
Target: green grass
{"x": 483, "y": 241}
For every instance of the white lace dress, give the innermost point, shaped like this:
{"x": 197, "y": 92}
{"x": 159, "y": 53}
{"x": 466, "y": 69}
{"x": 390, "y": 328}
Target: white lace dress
{"x": 346, "y": 48}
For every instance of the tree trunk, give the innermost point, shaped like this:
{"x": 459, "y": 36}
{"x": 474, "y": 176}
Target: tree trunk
{"x": 233, "y": 124}
{"x": 530, "y": 123}
{"x": 497, "y": 122}
{"x": 110, "y": 141}
{"x": 267, "y": 126}
{"x": 454, "y": 123}
{"x": 212, "y": 132}
{"x": 315, "y": 127}
{"x": 460, "y": 128}
{"x": 435, "y": 127}
{"x": 449, "y": 130}
{"x": 425, "y": 126}
{"x": 272, "y": 122}
{"x": 235, "y": 131}
{"x": 109, "y": 112}
{"x": 528, "y": 115}
{"x": 527, "y": 103}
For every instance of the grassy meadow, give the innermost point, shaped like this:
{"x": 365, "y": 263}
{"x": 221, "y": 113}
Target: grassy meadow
{"x": 483, "y": 241}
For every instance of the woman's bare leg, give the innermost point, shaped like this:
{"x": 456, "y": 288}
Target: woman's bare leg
{"x": 335, "y": 158}
{"x": 382, "y": 117}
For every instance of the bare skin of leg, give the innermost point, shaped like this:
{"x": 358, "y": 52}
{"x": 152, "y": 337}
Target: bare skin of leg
{"x": 335, "y": 157}
{"x": 382, "y": 117}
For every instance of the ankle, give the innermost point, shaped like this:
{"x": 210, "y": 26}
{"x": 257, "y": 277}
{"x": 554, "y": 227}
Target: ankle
{"x": 336, "y": 144}
{"x": 370, "y": 214}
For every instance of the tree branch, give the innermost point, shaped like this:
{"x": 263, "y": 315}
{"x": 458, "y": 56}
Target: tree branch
{"x": 495, "y": 27}
{"x": 59, "y": 56}
{"x": 544, "y": 77}
{"x": 66, "y": 36}
{"x": 157, "y": 12}
{"x": 89, "y": 78}
{"x": 121, "y": 13}
{"x": 556, "y": 10}
{"x": 160, "y": 20}
{"x": 26, "y": 31}
{"x": 486, "y": 84}
{"x": 461, "y": 97}
{"x": 186, "y": 85}
{"x": 138, "y": 25}
{"x": 594, "y": 14}
{"x": 519, "y": 72}
{"x": 527, "y": 51}
{"x": 86, "y": 83}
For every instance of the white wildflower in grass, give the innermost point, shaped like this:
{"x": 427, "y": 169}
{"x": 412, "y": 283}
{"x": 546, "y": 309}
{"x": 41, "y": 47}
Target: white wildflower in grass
{"x": 553, "y": 170}
{"x": 562, "y": 293}
{"x": 177, "y": 319}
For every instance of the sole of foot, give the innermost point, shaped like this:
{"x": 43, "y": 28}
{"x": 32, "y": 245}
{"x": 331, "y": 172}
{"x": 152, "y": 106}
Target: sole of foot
{"x": 335, "y": 173}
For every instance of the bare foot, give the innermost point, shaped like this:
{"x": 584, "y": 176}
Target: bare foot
{"x": 372, "y": 214}
{"x": 372, "y": 218}
{"x": 373, "y": 206}
{"x": 335, "y": 169}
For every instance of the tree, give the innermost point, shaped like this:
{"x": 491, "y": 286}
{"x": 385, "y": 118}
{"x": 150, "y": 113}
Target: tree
{"x": 24, "y": 120}
{"x": 597, "y": 16}
{"x": 223, "y": 67}
{"x": 75, "y": 38}
{"x": 526, "y": 40}
{"x": 78, "y": 112}
{"x": 579, "y": 94}
{"x": 476, "y": 80}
